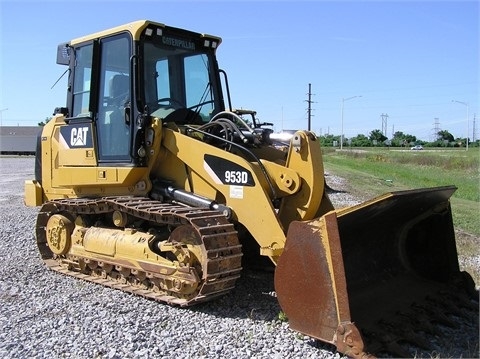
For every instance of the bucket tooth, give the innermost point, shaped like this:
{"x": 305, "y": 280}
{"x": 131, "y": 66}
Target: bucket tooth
{"x": 349, "y": 341}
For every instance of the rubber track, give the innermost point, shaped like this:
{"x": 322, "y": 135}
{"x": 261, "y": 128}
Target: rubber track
{"x": 217, "y": 233}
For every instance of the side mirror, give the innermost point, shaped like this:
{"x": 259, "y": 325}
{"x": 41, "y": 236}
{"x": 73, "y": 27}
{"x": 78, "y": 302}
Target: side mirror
{"x": 63, "y": 54}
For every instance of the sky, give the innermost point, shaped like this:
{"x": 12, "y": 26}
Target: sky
{"x": 415, "y": 61}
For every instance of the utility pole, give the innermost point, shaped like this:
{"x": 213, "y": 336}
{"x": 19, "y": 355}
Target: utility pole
{"x": 309, "y": 110}
{"x": 436, "y": 129}
{"x": 384, "y": 124}
{"x": 474, "y": 138}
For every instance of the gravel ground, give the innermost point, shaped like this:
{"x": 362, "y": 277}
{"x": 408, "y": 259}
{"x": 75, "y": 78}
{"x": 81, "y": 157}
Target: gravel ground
{"x": 48, "y": 315}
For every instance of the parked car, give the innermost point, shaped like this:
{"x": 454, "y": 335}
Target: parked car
{"x": 416, "y": 148}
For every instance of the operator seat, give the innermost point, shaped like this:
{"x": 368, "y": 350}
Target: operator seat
{"x": 119, "y": 90}
{"x": 118, "y": 131}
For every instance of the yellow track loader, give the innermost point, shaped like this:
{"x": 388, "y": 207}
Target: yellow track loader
{"x": 149, "y": 181}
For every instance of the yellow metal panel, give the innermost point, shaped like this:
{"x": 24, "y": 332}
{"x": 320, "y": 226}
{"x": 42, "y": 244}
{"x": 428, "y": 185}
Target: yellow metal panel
{"x": 286, "y": 180}
{"x": 133, "y": 27}
{"x": 77, "y": 176}
{"x": 245, "y": 201}
{"x": 77, "y": 157}
{"x": 101, "y": 241}
{"x": 33, "y": 193}
{"x": 305, "y": 158}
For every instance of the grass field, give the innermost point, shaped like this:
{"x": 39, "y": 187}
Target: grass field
{"x": 376, "y": 171}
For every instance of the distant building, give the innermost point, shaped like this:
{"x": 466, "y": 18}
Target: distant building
{"x": 19, "y": 140}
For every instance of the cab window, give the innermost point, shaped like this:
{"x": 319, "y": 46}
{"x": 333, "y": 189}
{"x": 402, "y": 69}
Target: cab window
{"x": 81, "y": 82}
{"x": 115, "y": 99}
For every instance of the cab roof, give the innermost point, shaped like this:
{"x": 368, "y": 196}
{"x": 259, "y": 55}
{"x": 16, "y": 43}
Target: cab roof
{"x": 136, "y": 28}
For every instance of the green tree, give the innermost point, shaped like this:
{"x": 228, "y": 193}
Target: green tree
{"x": 461, "y": 142}
{"x": 361, "y": 140}
{"x": 377, "y": 135}
{"x": 444, "y": 135}
{"x": 327, "y": 140}
{"x": 401, "y": 139}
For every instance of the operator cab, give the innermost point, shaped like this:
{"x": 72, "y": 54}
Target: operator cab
{"x": 121, "y": 79}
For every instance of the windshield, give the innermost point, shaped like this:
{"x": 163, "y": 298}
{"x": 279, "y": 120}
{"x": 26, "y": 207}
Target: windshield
{"x": 177, "y": 78}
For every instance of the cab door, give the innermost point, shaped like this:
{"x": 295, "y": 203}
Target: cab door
{"x": 114, "y": 102}
{"x": 94, "y": 143}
